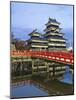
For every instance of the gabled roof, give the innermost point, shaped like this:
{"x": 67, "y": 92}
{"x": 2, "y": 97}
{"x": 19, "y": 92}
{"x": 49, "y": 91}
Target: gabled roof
{"x": 52, "y": 20}
{"x": 34, "y": 32}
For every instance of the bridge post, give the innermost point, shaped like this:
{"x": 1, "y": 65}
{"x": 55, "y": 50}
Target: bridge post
{"x": 47, "y": 66}
{"x": 12, "y": 68}
{"x": 15, "y": 67}
{"x": 21, "y": 67}
{"x": 72, "y": 71}
{"x": 32, "y": 66}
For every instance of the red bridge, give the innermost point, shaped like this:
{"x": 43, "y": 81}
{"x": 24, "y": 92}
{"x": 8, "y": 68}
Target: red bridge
{"x": 62, "y": 57}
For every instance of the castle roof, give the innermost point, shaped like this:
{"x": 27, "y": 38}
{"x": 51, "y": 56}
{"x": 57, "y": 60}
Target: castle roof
{"x": 51, "y": 20}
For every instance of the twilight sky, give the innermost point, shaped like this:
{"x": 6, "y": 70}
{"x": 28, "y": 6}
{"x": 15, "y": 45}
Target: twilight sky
{"x": 28, "y": 16}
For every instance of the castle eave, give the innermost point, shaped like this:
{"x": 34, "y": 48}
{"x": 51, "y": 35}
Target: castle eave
{"x": 54, "y": 34}
{"x": 54, "y": 44}
{"x": 61, "y": 40}
{"x": 39, "y": 41}
{"x": 39, "y": 46}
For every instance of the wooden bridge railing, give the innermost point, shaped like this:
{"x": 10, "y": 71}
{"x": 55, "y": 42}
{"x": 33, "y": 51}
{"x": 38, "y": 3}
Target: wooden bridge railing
{"x": 64, "y": 57}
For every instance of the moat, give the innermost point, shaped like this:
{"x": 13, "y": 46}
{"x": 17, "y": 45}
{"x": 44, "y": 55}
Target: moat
{"x": 37, "y": 86}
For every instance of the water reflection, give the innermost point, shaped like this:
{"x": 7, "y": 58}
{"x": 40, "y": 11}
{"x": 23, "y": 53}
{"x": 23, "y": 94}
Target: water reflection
{"x": 27, "y": 91}
{"x": 35, "y": 87}
{"x": 30, "y": 88}
{"x": 67, "y": 77}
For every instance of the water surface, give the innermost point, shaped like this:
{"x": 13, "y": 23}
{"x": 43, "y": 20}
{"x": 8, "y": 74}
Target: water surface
{"x": 36, "y": 90}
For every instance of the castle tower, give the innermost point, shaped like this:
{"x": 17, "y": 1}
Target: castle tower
{"x": 56, "y": 40}
{"x": 36, "y": 42}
